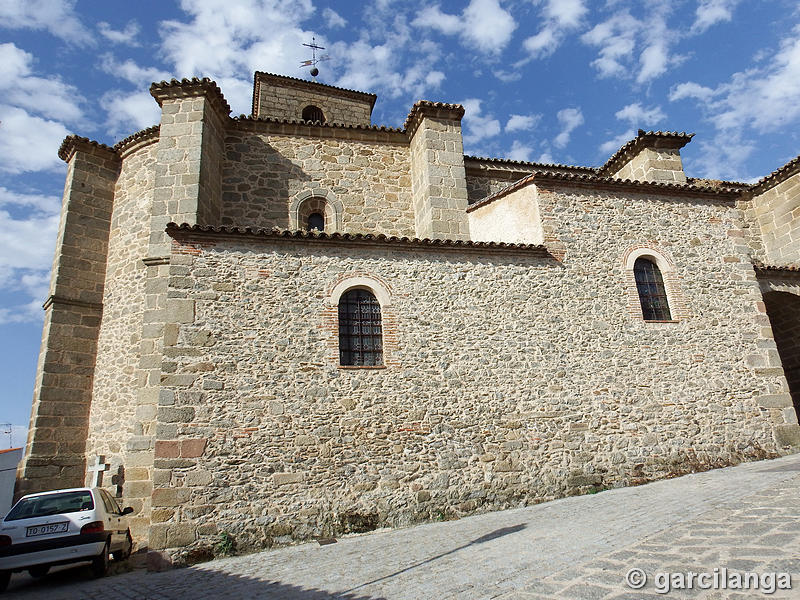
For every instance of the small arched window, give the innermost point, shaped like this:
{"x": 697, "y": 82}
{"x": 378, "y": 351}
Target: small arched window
{"x": 313, "y": 113}
{"x": 316, "y": 221}
{"x": 652, "y": 293}
{"x": 360, "y": 331}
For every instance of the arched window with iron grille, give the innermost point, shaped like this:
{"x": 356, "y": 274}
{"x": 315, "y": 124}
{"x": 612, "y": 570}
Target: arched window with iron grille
{"x": 652, "y": 293}
{"x": 360, "y": 329}
{"x": 313, "y": 113}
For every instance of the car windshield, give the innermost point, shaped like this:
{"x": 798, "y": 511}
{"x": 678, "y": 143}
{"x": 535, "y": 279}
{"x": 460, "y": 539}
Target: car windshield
{"x": 51, "y": 504}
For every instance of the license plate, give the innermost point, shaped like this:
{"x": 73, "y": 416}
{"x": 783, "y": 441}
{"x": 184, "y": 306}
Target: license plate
{"x": 47, "y": 529}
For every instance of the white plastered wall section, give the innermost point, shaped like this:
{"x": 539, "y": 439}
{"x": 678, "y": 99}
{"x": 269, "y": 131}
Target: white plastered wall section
{"x": 513, "y": 219}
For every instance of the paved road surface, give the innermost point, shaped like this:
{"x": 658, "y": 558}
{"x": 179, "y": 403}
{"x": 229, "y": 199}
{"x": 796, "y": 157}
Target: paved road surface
{"x": 743, "y": 519}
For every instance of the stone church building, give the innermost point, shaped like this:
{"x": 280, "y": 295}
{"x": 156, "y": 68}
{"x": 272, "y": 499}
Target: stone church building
{"x": 298, "y": 324}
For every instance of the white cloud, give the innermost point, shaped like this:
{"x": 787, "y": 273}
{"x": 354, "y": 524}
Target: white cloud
{"x": 130, "y": 71}
{"x": 559, "y": 17}
{"x": 522, "y": 122}
{"x": 520, "y": 151}
{"x": 614, "y": 144}
{"x": 616, "y": 39}
{"x": 432, "y": 17}
{"x": 545, "y": 158}
{"x": 711, "y": 12}
{"x": 636, "y": 114}
{"x": 25, "y": 266}
{"x": 477, "y": 127}
{"x": 38, "y": 202}
{"x": 234, "y": 38}
{"x": 28, "y": 143}
{"x": 125, "y": 36}
{"x": 653, "y": 61}
{"x": 765, "y": 99}
{"x": 570, "y": 119}
{"x": 55, "y": 16}
{"x": 48, "y": 96}
{"x": 565, "y": 13}
{"x": 484, "y": 24}
{"x": 690, "y": 89}
{"x": 333, "y": 19}
{"x": 129, "y": 112}
{"x": 488, "y": 25}
{"x": 759, "y": 100}
{"x": 543, "y": 43}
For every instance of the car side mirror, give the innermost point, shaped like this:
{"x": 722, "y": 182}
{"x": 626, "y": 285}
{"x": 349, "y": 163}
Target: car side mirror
{"x": 127, "y": 510}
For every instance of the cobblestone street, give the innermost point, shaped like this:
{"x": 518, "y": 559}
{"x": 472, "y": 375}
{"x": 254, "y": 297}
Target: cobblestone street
{"x": 743, "y": 519}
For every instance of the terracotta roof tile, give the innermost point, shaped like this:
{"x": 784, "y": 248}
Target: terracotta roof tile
{"x": 764, "y": 269}
{"x": 597, "y": 181}
{"x": 71, "y": 143}
{"x": 144, "y": 134}
{"x": 190, "y": 87}
{"x": 633, "y": 147}
{"x": 528, "y": 165}
{"x": 296, "y": 80}
{"x": 777, "y": 176}
{"x": 435, "y": 109}
{"x": 361, "y": 238}
{"x": 246, "y": 118}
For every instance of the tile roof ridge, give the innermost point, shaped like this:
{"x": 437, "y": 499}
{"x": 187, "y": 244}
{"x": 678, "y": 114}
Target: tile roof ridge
{"x": 777, "y": 176}
{"x": 529, "y": 163}
{"x": 72, "y": 141}
{"x": 636, "y": 143}
{"x": 330, "y": 125}
{"x": 277, "y": 232}
{"x": 142, "y": 134}
{"x": 195, "y": 86}
{"x": 327, "y": 85}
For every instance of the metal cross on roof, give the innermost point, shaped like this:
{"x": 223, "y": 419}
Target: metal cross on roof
{"x": 314, "y": 60}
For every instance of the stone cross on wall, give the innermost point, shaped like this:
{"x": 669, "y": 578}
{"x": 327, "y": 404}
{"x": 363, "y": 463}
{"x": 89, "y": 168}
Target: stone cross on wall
{"x": 97, "y": 468}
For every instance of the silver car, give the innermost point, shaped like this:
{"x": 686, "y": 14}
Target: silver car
{"x": 61, "y": 527}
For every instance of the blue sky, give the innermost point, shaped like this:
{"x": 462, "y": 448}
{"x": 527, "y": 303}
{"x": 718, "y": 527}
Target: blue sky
{"x": 564, "y": 81}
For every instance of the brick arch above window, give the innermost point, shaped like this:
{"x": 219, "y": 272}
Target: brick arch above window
{"x": 318, "y": 200}
{"x": 669, "y": 274}
{"x": 364, "y": 282}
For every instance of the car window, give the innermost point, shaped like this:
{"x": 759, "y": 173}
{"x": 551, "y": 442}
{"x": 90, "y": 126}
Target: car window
{"x": 51, "y": 504}
{"x": 108, "y": 501}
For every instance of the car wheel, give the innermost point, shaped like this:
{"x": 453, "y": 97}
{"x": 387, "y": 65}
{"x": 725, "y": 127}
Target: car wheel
{"x": 5, "y": 577}
{"x": 100, "y": 563}
{"x": 38, "y": 571}
{"x": 126, "y": 550}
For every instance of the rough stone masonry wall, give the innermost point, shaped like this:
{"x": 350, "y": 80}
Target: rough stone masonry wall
{"x": 289, "y": 102}
{"x": 54, "y": 455}
{"x": 114, "y": 398}
{"x": 439, "y": 189}
{"x": 513, "y": 378}
{"x": 662, "y": 165}
{"x": 263, "y": 173}
{"x": 777, "y": 213}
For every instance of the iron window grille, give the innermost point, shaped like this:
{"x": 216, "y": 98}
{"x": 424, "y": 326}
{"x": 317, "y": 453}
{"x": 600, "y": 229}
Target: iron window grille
{"x": 360, "y": 330}
{"x": 313, "y": 113}
{"x": 652, "y": 293}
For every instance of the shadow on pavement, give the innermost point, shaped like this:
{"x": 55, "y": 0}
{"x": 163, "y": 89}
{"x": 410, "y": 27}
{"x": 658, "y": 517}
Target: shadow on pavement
{"x": 497, "y": 533}
{"x": 129, "y": 580}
